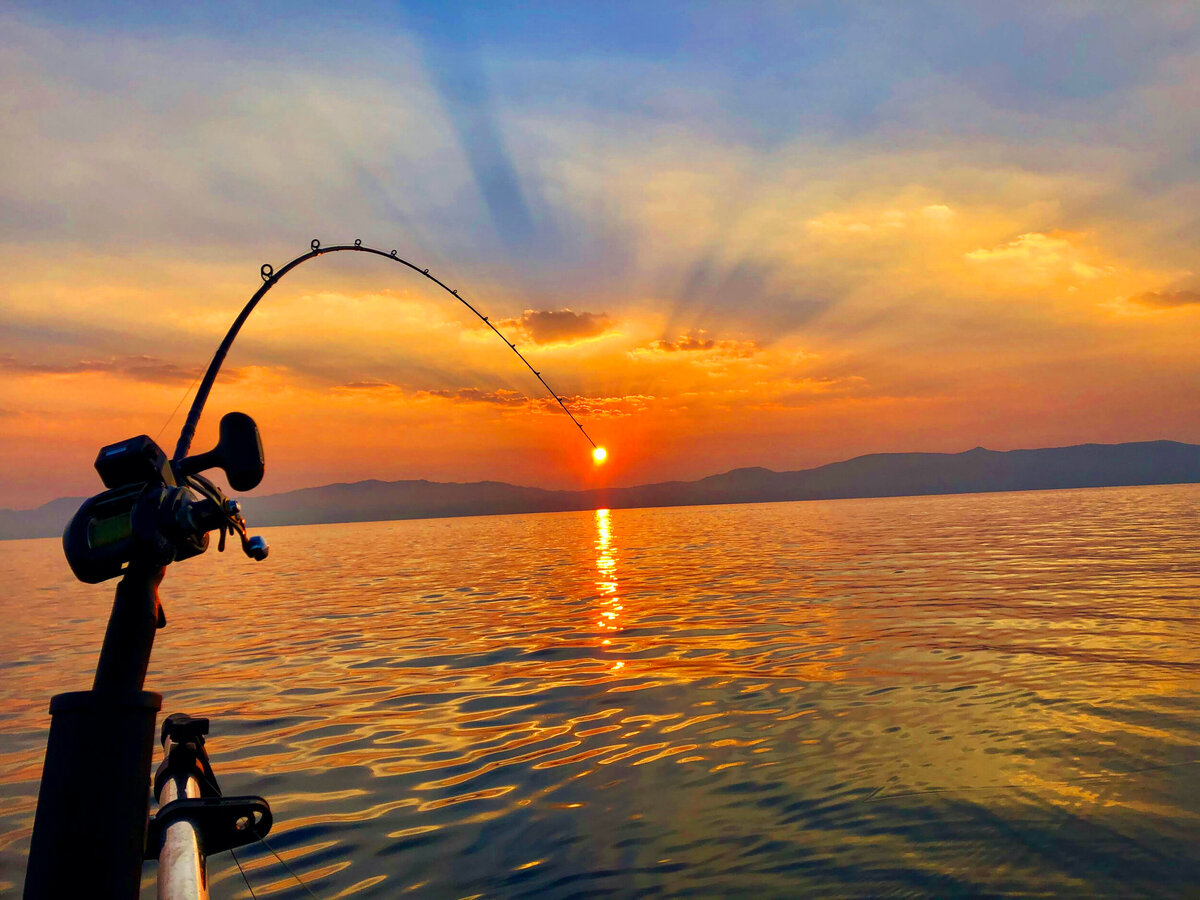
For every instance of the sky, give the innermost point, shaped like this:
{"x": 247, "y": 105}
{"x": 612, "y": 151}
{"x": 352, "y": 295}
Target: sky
{"x": 729, "y": 234}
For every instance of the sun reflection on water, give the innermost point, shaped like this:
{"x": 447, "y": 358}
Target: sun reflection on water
{"x": 606, "y": 578}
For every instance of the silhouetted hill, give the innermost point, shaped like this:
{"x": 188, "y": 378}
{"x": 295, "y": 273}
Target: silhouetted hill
{"x": 47, "y": 520}
{"x": 876, "y": 475}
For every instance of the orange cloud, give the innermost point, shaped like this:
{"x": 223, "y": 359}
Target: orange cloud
{"x": 1167, "y": 299}
{"x": 366, "y": 385}
{"x": 136, "y": 368}
{"x": 879, "y": 222}
{"x": 623, "y": 405}
{"x": 698, "y": 341}
{"x": 475, "y": 395}
{"x": 598, "y": 407}
{"x": 580, "y": 405}
{"x": 1034, "y": 256}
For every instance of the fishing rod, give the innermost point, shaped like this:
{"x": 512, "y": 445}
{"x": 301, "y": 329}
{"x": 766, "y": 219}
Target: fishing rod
{"x": 270, "y": 278}
{"x": 92, "y": 830}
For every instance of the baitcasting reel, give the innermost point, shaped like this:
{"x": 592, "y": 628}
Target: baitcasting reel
{"x": 157, "y": 511}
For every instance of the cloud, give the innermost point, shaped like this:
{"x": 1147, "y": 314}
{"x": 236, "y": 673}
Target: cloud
{"x": 936, "y": 214}
{"x": 579, "y": 405}
{"x": 148, "y": 369}
{"x": 699, "y": 342}
{"x": 803, "y": 392}
{"x": 475, "y": 395}
{"x": 499, "y": 397}
{"x": 367, "y": 385}
{"x": 685, "y": 342}
{"x": 600, "y": 407}
{"x": 1167, "y": 299}
{"x": 354, "y": 147}
{"x": 514, "y": 401}
{"x": 554, "y": 326}
{"x": 1039, "y": 256}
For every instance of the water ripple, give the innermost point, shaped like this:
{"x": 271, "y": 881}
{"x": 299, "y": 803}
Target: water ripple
{"x": 948, "y": 695}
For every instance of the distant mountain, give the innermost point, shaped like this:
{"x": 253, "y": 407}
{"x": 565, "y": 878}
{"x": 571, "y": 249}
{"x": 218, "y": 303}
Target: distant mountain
{"x": 48, "y": 520}
{"x": 876, "y": 475}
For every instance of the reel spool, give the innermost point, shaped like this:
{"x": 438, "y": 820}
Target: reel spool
{"x": 158, "y": 512}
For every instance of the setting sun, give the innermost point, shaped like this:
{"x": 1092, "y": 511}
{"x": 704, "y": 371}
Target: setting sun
{"x": 599, "y": 455}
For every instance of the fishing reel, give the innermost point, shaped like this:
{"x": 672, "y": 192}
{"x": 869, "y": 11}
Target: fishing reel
{"x": 156, "y": 512}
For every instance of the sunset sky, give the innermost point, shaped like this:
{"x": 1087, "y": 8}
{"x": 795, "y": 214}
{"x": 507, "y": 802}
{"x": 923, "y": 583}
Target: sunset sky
{"x": 728, "y": 234}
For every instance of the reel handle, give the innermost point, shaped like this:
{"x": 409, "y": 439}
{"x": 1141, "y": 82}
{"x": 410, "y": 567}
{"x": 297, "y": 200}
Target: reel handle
{"x": 239, "y": 453}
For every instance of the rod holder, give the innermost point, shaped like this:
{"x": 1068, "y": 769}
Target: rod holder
{"x": 89, "y": 833}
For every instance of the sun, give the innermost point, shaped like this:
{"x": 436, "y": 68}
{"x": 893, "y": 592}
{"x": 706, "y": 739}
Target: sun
{"x": 599, "y": 455}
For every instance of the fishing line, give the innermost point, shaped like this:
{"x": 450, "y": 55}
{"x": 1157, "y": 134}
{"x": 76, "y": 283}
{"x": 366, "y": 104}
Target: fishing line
{"x": 243, "y": 871}
{"x": 283, "y": 862}
{"x": 270, "y": 278}
{"x": 176, "y": 409}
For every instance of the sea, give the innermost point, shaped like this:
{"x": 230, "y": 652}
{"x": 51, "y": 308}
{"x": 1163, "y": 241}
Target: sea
{"x": 978, "y": 695}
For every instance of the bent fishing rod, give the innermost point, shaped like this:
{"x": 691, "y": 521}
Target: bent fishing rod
{"x": 271, "y": 278}
{"x": 92, "y": 830}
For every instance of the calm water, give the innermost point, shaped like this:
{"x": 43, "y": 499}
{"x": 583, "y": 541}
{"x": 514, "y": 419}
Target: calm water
{"x": 950, "y": 695}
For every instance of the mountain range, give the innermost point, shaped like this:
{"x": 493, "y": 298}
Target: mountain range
{"x": 875, "y": 475}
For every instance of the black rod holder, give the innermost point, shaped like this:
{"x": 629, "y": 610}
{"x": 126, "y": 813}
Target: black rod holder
{"x": 89, "y": 832}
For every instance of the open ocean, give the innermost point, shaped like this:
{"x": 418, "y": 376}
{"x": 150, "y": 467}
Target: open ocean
{"x": 965, "y": 695}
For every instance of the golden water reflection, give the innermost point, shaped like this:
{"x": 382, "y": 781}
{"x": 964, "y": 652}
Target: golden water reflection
{"x": 607, "y": 585}
{"x": 832, "y": 699}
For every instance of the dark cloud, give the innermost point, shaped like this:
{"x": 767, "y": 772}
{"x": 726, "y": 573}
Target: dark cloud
{"x": 1167, "y": 299}
{"x": 365, "y": 386}
{"x": 548, "y": 326}
{"x": 685, "y": 342}
{"x": 699, "y": 341}
{"x": 136, "y": 368}
{"x": 475, "y": 395}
